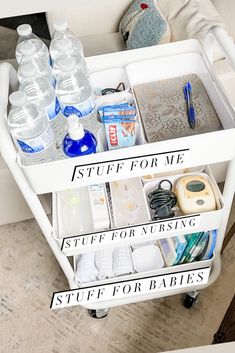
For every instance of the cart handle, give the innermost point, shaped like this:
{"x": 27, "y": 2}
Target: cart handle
{"x": 219, "y": 35}
{"x": 8, "y": 78}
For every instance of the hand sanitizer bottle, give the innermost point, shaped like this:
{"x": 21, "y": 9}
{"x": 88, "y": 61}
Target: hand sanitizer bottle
{"x": 78, "y": 142}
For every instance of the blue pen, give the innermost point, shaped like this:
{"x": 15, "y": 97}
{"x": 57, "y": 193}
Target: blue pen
{"x": 190, "y": 107}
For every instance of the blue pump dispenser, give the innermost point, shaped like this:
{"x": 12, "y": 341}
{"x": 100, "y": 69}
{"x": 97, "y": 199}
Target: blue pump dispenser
{"x": 78, "y": 142}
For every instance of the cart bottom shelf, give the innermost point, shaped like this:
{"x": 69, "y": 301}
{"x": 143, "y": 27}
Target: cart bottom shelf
{"x": 137, "y": 287}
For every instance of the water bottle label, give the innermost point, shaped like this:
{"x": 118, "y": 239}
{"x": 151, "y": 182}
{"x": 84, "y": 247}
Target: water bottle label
{"x": 54, "y": 84}
{"x": 52, "y": 110}
{"x": 79, "y": 109}
{"x": 37, "y": 144}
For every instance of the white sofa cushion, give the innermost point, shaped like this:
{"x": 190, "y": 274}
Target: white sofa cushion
{"x": 8, "y": 40}
{"x": 91, "y": 17}
{"x": 226, "y": 8}
{"x": 102, "y": 43}
{"x": 190, "y": 18}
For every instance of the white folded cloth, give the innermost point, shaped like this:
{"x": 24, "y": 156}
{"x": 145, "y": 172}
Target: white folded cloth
{"x": 122, "y": 261}
{"x": 104, "y": 263}
{"x": 86, "y": 269}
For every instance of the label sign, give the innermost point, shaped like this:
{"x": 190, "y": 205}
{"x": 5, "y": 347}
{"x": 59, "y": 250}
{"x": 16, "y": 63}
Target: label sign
{"x": 132, "y": 288}
{"x": 144, "y": 232}
{"x": 125, "y": 166}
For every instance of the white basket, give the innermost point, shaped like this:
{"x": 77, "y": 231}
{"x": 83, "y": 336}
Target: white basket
{"x": 109, "y": 79}
{"x": 159, "y": 272}
{"x": 148, "y": 158}
{"x": 139, "y": 286}
{"x": 203, "y": 221}
{"x": 143, "y": 215}
{"x": 142, "y": 232}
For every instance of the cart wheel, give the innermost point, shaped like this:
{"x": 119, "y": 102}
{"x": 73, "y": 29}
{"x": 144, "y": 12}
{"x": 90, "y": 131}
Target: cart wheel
{"x": 190, "y": 299}
{"x": 98, "y": 314}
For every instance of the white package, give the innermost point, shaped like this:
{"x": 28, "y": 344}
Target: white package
{"x": 86, "y": 269}
{"x": 122, "y": 261}
{"x": 104, "y": 263}
{"x": 147, "y": 258}
{"x": 99, "y": 207}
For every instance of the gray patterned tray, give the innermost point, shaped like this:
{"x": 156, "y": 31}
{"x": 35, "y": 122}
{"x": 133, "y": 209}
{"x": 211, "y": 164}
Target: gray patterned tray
{"x": 163, "y": 109}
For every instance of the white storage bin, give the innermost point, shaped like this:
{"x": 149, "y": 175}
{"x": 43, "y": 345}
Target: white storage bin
{"x": 64, "y": 225}
{"x": 148, "y": 178}
{"x": 129, "y": 205}
{"x": 65, "y": 221}
{"x": 128, "y": 288}
{"x": 201, "y": 221}
{"x": 158, "y": 272}
{"x": 109, "y": 79}
{"x": 143, "y": 230}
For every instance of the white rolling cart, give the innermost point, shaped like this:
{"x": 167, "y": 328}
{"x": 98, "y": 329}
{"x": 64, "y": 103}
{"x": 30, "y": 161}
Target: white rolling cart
{"x": 142, "y": 65}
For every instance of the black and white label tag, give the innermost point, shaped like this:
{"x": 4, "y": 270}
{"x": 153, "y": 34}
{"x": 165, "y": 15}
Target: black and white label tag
{"x": 129, "y": 166}
{"x": 120, "y": 236}
{"x": 130, "y": 288}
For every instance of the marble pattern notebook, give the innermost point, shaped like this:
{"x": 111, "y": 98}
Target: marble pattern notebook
{"x": 163, "y": 109}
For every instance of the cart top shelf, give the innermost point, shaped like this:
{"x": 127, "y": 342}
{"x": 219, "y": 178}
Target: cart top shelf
{"x": 145, "y": 65}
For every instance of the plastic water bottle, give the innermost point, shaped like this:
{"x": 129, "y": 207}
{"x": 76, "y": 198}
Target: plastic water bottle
{"x": 75, "y": 95}
{"x": 26, "y": 35}
{"x": 29, "y": 55}
{"x": 62, "y": 32}
{"x": 30, "y": 130}
{"x": 65, "y": 48}
{"x": 40, "y": 92}
{"x": 78, "y": 141}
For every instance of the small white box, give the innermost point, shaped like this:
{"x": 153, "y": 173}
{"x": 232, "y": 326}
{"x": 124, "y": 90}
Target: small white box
{"x": 99, "y": 207}
{"x": 147, "y": 258}
{"x": 128, "y": 202}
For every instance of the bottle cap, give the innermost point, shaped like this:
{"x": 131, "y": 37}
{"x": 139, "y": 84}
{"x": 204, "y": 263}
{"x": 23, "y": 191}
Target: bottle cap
{"x": 60, "y": 24}
{"x": 64, "y": 44}
{"x": 18, "y": 98}
{"x": 28, "y": 48}
{"x": 24, "y": 30}
{"x": 28, "y": 70}
{"x": 67, "y": 64}
{"x": 75, "y": 129}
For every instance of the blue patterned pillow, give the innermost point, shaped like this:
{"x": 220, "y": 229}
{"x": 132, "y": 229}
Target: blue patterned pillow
{"x": 143, "y": 25}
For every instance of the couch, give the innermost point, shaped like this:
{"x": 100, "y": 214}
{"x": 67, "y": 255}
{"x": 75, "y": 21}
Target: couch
{"x": 96, "y": 23}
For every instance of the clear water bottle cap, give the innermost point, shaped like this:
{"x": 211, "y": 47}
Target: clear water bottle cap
{"x": 67, "y": 64}
{"x": 75, "y": 129}
{"x": 60, "y": 24}
{"x": 64, "y": 44}
{"x": 28, "y": 48}
{"x": 24, "y": 30}
{"x": 28, "y": 70}
{"x": 18, "y": 98}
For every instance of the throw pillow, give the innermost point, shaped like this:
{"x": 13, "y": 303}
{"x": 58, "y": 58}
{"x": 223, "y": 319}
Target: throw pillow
{"x": 144, "y": 25}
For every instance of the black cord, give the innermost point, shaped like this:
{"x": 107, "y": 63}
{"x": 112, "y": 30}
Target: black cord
{"x": 162, "y": 201}
{"x": 120, "y": 87}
